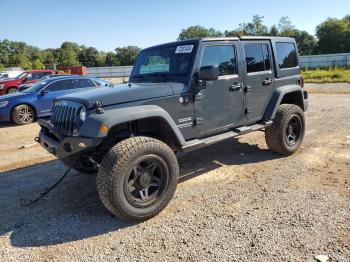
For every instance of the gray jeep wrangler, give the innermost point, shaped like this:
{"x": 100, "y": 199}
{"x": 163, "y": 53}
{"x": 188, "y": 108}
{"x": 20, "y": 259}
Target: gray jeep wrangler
{"x": 180, "y": 96}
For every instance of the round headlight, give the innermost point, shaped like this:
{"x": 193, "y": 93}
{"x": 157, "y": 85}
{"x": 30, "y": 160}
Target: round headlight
{"x": 82, "y": 114}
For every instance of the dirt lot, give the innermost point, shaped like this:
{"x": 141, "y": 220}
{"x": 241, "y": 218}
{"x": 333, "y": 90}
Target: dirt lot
{"x": 243, "y": 202}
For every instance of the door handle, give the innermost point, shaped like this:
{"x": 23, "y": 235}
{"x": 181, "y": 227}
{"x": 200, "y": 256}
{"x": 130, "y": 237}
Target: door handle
{"x": 198, "y": 96}
{"x": 235, "y": 87}
{"x": 267, "y": 81}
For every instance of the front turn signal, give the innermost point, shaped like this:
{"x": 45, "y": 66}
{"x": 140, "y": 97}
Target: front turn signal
{"x": 104, "y": 129}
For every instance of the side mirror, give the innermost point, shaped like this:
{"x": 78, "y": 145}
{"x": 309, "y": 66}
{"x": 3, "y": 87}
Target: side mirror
{"x": 209, "y": 73}
{"x": 43, "y": 92}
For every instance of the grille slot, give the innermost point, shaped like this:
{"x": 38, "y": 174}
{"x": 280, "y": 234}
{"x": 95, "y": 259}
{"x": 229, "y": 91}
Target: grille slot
{"x": 65, "y": 117}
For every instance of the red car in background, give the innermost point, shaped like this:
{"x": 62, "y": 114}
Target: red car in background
{"x": 31, "y": 76}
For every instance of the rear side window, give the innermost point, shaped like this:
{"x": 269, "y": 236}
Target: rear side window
{"x": 45, "y": 73}
{"x": 287, "y": 55}
{"x": 82, "y": 83}
{"x": 59, "y": 86}
{"x": 257, "y": 57}
{"x": 222, "y": 56}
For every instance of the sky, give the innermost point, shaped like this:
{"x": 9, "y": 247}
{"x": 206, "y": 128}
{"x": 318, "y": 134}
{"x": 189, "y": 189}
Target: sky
{"x": 107, "y": 24}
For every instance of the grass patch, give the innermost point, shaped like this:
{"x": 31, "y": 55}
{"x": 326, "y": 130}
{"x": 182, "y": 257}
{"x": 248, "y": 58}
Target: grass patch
{"x": 327, "y": 75}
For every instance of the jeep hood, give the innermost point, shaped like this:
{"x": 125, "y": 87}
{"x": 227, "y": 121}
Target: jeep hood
{"x": 124, "y": 93}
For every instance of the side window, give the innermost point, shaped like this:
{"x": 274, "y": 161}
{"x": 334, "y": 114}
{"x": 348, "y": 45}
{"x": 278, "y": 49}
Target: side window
{"x": 287, "y": 55}
{"x": 223, "y": 56}
{"x": 59, "y": 86}
{"x": 267, "y": 61}
{"x": 82, "y": 83}
{"x": 36, "y": 75}
{"x": 97, "y": 83}
{"x": 257, "y": 57}
{"x": 29, "y": 77}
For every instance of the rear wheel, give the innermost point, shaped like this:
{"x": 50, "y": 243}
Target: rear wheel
{"x": 23, "y": 115}
{"x": 137, "y": 178}
{"x": 11, "y": 90}
{"x": 286, "y": 133}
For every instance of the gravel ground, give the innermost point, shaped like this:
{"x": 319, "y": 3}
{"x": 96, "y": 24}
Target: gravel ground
{"x": 242, "y": 203}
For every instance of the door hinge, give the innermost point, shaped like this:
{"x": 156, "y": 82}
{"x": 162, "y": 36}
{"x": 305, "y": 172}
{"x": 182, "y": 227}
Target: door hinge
{"x": 198, "y": 121}
{"x": 246, "y": 89}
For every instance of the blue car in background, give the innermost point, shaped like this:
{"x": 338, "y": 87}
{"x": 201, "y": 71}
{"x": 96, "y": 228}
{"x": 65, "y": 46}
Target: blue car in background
{"x": 36, "y": 101}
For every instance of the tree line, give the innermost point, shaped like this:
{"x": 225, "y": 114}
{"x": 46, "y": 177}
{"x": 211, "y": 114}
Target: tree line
{"x": 19, "y": 54}
{"x": 332, "y": 36}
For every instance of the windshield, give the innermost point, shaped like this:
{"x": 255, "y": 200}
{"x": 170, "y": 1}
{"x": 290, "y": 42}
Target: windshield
{"x": 36, "y": 87}
{"x": 171, "y": 61}
{"x": 21, "y": 75}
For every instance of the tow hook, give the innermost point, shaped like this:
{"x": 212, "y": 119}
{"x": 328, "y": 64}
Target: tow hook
{"x": 93, "y": 161}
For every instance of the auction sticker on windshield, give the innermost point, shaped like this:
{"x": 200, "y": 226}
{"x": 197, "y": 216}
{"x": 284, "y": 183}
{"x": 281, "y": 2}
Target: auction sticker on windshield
{"x": 182, "y": 49}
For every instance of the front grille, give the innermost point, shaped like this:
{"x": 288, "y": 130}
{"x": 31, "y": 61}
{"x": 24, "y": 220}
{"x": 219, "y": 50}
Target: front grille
{"x": 65, "y": 117}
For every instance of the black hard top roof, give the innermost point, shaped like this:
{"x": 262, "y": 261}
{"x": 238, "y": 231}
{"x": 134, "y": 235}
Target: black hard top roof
{"x": 208, "y": 39}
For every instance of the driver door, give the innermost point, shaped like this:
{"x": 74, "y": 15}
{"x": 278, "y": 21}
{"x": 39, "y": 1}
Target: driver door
{"x": 219, "y": 103}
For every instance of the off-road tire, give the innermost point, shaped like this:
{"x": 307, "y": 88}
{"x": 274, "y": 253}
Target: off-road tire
{"x": 114, "y": 171}
{"x": 18, "y": 119}
{"x": 275, "y": 134}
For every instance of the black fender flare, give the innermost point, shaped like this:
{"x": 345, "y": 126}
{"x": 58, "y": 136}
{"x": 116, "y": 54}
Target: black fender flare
{"x": 113, "y": 117}
{"x": 277, "y": 97}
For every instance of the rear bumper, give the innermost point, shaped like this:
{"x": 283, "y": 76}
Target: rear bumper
{"x": 60, "y": 146}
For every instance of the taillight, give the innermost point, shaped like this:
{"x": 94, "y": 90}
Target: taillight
{"x": 301, "y": 81}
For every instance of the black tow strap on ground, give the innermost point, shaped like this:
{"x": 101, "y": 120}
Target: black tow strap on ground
{"x": 29, "y": 202}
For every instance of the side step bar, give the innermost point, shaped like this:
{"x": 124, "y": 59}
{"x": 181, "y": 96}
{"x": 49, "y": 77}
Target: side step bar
{"x": 199, "y": 143}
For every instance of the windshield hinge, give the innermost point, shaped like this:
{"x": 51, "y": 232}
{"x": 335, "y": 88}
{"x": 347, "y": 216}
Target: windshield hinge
{"x": 198, "y": 121}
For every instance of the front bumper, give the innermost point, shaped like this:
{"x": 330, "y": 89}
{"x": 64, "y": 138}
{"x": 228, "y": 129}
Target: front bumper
{"x": 63, "y": 147}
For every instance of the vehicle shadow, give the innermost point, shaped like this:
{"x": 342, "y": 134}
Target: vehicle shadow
{"x": 72, "y": 211}
{"x": 6, "y": 124}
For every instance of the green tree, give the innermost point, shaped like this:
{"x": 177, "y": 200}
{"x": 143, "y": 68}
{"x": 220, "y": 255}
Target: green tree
{"x": 126, "y": 56}
{"x": 50, "y": 56}
{"x": 101, "y": 59}
{"x": 334, "y": 35}
{"x": 38, "y": 64}
{"x": 254, "y": 28}
{"x": 20, "y": 60}
{"x": 197, "y": 32}
{"x": 88, "y": 56}
{"x": 5, "y": 51}
{"x": 274, "y": 31}
{"x": 2, "y": 68}
{"x": 69, "y": 54}
{"x": 111, "y": 59}
{"x": 285, "y": 26}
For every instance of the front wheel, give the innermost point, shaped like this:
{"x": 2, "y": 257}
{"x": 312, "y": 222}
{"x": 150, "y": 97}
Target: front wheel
{"x": 23, "y": 115}
{"x": 286, "y": 133}
{"x": 137, "y": 178}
